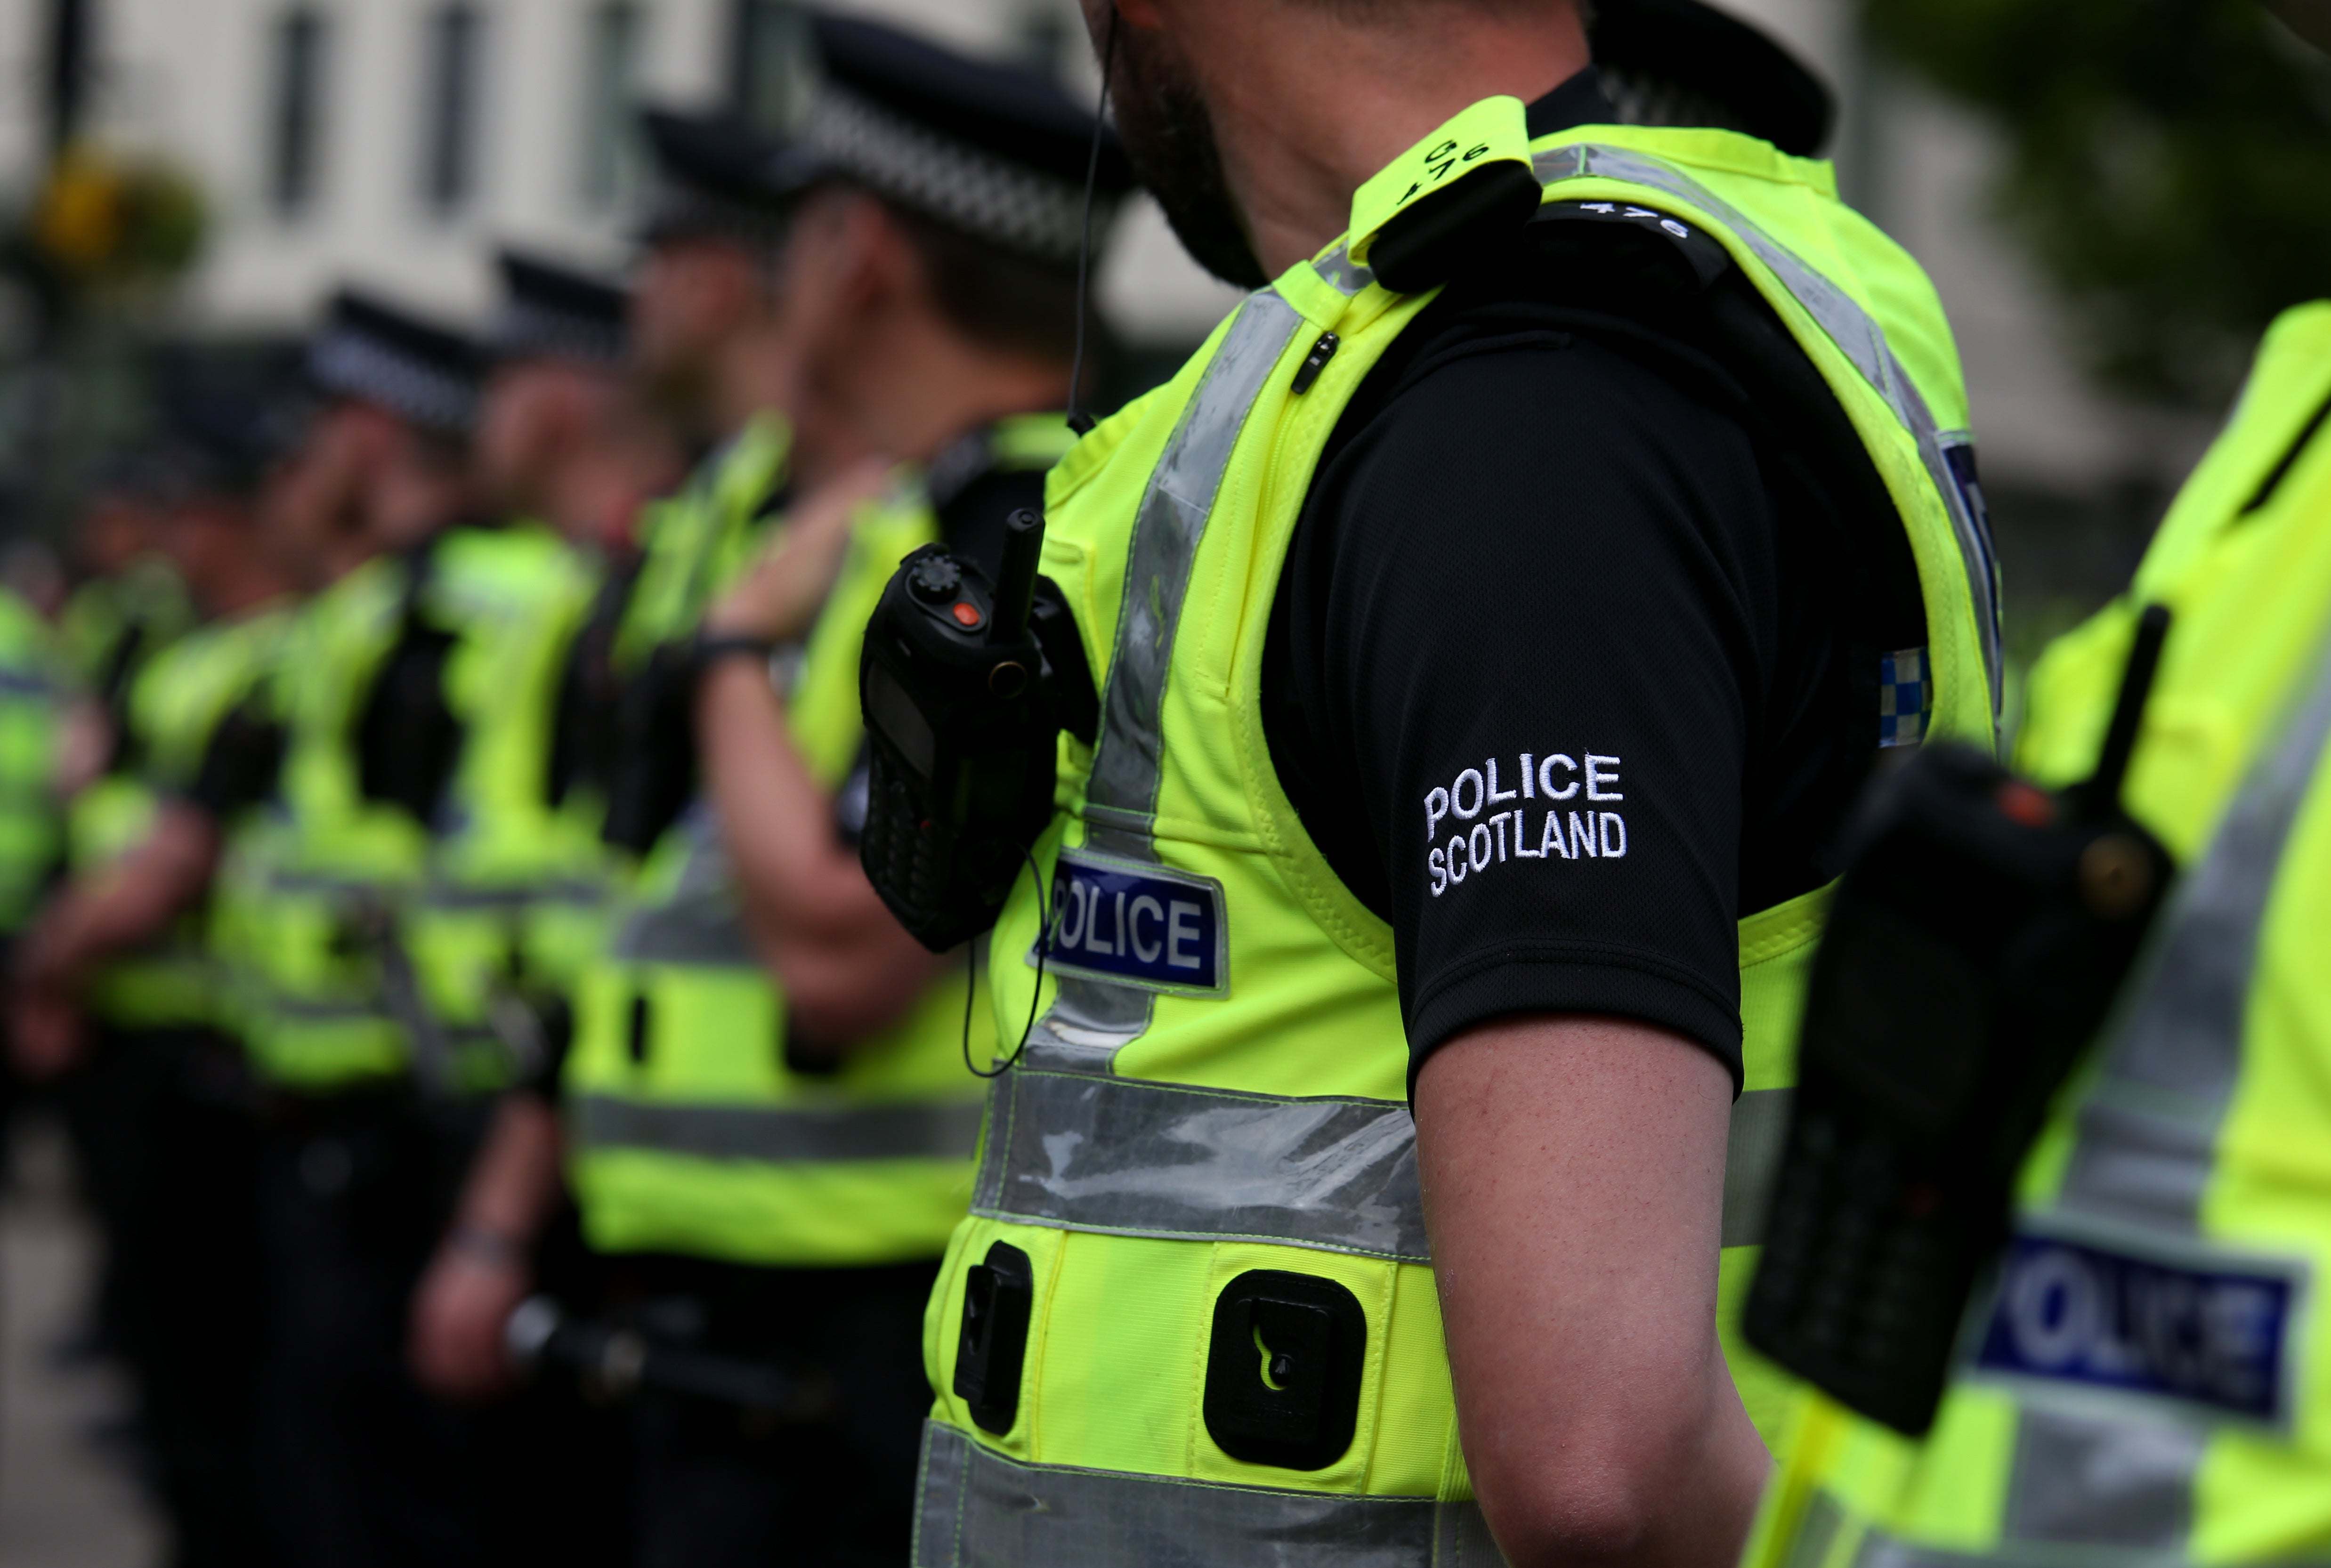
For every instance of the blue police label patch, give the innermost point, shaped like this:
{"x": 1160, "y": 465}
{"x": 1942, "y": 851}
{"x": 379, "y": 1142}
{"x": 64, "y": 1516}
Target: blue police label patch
{"x": 1137, "y": 925}
{"x": 2186, "y": 1325}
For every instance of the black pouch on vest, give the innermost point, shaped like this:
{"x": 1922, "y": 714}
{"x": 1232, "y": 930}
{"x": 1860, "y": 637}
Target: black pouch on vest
{"x": 1981, "y": 931}
{"x": 965, "y": 689}
{"x": 992, "y": 1342}
{"x": 408, "y": 741}
{"x": 653, "y": 772}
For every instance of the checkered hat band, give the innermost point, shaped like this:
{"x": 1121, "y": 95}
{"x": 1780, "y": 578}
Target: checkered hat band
{"x": 523, "y": 328}
{"x": 1004, "y": 203}
{"x": 349, "y": 364}
{"x": 1906, "y": 697}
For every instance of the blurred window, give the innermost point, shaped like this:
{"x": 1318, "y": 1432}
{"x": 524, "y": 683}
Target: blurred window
{"x": 773, "y": 71}
{"x": 295, "y": 127}
{"x": 449, "y": 151}
{"x": 610, "y": 142}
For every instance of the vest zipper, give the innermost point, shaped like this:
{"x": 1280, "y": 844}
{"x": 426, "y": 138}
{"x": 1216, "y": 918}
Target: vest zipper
{"x": 1314, "y": 362}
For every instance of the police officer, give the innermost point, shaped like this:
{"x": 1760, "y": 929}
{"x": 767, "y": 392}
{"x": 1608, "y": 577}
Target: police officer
{"x": 1480, "y": 691}
{"x": 32, "y": 683}
{"x": 131, "y": 601}
{"x": 779, "y": 1171}
{"x": 374, "y": 916}
{"x": 126, "y": 944}
{"x": 562, "y": 438}
{"x": 701, "y": 339}
{"x": 2146, "y": 1380}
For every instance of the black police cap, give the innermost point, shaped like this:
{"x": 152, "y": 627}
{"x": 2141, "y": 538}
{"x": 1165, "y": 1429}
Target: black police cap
{"x": 712, "y": 179}
{"x": 994, "y": 150}
{"x": 369, "y": 350}
{"x": 552, "y": 313}
{"x": 1684, "y": 63}
{"x": 216, "y": 435}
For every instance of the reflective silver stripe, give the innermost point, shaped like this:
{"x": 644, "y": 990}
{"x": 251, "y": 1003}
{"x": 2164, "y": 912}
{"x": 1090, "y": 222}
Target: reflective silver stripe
{"x": 1080, "y": 1151}
{"x": 699, "y": 922}
{"x": 1816, "y": 1533}
{"x": 2145, "y": 1140}
{"x": 979, "y": 1509}
{"x": 1340, "y": 273}
{"x": 1752, "y": 1159}
{"x": 767, "y": 1136}
{"x": 455, "y": 896}
{"x": 1084, "y": 1152}
{"x": 313, "y": 1010}
{"x": 2087, "y": 1481}
{"x": 706, "y": 935}
{"x": 2148, "y": 1127}
{"x": 301, "y": 1010}
{"x": 1090, "y": 1020}
{"x": 328, "y": 884}
{"x": 1848, "y": 325}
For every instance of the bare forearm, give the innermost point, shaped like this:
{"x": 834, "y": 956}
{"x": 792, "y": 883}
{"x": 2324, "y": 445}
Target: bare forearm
{"x": 778, "y": 821}
{"x": 514, "y": 1183}
{"x": 133, "y": 901}
{"x": 848, "y": 969}
{"x": 1574, "y": 1178}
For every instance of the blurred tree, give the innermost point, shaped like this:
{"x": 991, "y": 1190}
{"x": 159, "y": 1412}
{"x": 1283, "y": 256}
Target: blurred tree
{"x": 2166, "y": 159}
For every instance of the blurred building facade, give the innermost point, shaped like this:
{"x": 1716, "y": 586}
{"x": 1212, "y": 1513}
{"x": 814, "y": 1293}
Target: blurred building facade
{"x": 395, "y": 141}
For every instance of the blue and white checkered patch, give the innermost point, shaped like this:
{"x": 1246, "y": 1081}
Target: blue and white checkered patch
{"x": 1906, "y": 697}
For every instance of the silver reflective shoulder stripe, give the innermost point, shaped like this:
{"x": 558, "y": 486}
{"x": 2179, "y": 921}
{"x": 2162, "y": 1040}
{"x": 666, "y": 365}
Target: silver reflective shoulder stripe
{"x": 982, "y": 1510}
{"x": 2145, "y": 1140}
{"x": 1080, "y": 1151}
{"x": 1090, "y": 1020}
{"x": 773, "y": 1135}
{"x": 1855, "y": 332}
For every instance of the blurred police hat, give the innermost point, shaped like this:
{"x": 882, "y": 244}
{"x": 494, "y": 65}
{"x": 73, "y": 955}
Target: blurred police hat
{"x": 1682, "y": 62}
{"x": 995, "y": 151}
{"x": 713, "y": 180}
{"x": 216, "y": 436}
{"x": 552, "y": 313}
{"x": 424, "y": 373}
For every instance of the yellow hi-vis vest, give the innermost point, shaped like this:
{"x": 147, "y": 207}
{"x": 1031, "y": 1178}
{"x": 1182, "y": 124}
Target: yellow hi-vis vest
{"x": 689, "y": 1131}
{"x": 176, "y": 704}
{"x": 2149, "y": 1381}
{"x": 1243, "y": 1109}
{"x": 516, "y": 895}
{"x": 32, "y": 693}
{"x": 313, "y": 997}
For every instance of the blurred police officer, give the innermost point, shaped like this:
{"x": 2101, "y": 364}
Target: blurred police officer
{"x": 126, "y": 943}
{"x": 131, "y": 602}
{"x": 32, "y": 686}
{"x": 562, "y": 437}
{"x": 2148, "y": 1381}
{"x": 375, "y": 920}
{"x": 1479, "y": 692}
{"x": 780, "y": 1168}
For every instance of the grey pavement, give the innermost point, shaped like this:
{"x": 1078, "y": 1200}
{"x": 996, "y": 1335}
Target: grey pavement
{"x": 66, "y": 1500}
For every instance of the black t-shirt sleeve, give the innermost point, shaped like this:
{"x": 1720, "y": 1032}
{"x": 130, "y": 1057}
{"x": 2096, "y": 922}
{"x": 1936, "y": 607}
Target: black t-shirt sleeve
{"x": 1525, "y": 633}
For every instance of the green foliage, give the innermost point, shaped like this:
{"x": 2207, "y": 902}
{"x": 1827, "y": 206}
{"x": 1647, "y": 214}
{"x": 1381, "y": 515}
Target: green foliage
{"x": 2168, "y": 161}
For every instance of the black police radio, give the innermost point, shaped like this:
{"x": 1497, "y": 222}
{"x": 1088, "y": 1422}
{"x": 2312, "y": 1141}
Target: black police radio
{"x": 965, "y": 688}
{"x": 1981, "y": 931}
